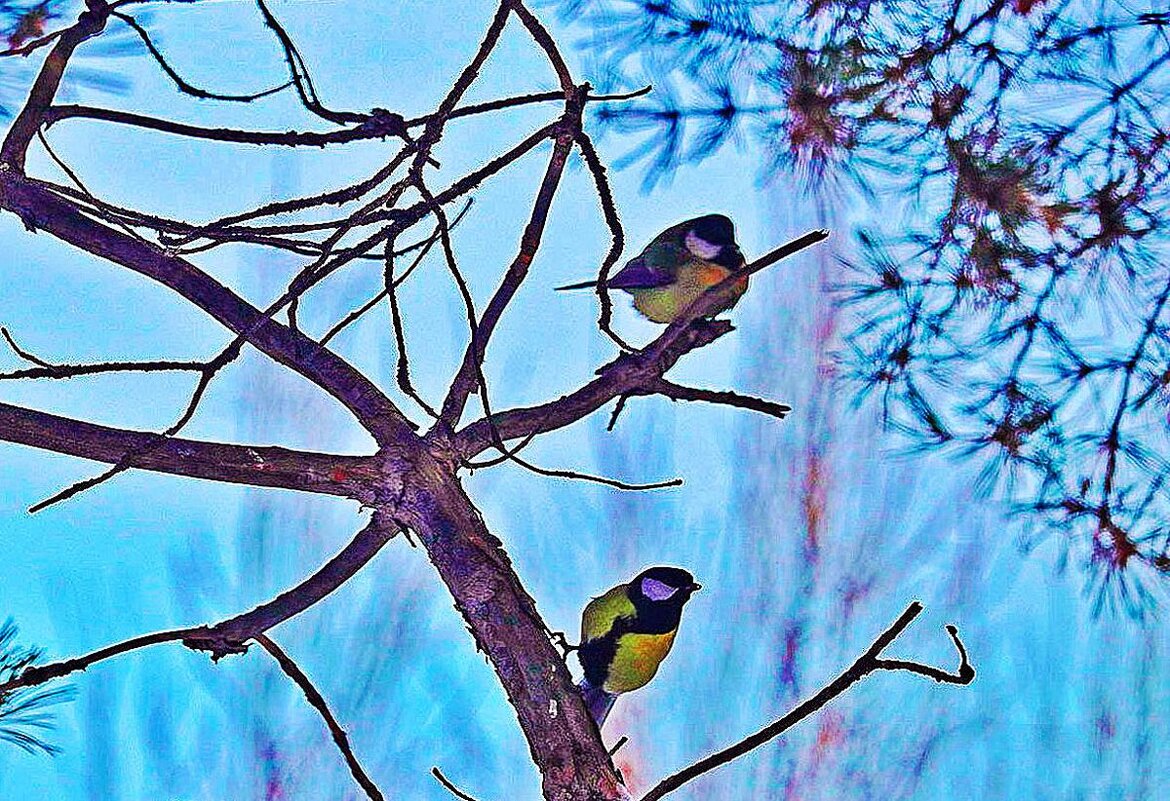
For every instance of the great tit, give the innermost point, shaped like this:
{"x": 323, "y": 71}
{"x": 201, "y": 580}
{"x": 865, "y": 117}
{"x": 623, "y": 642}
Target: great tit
{"x": 627, "y": 632}
{"x": 678, "y": 265}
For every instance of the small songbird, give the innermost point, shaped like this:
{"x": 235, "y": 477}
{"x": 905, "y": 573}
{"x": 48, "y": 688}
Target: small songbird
{"x": 678, "y": 265}
{"x": 627, "y": 632}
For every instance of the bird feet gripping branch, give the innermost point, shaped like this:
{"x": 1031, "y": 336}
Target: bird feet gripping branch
{"x": 563, "y": 645}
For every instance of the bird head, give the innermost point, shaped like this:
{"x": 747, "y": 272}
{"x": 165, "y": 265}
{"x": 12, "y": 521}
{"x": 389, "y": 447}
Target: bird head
{"x": 712, "y": 238}
{"x": 664, "y": 585}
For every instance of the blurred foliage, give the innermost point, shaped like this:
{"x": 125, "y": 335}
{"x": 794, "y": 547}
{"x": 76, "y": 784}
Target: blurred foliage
{"x": 23, "y": 719}
{"x": 22, "y": 24}
{"x": 1009, "y": 161}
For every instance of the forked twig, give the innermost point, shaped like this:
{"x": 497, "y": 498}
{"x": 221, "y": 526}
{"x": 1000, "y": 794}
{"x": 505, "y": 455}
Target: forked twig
{"x": 867, "y": 663}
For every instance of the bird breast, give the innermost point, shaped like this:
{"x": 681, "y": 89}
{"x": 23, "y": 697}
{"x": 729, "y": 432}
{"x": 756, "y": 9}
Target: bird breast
{"x": 636, "y": 660}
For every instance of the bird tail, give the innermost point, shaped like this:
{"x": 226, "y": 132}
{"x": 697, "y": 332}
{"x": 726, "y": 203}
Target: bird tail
{"x": 582, "y": 285}
{"x": 597, "y": 701}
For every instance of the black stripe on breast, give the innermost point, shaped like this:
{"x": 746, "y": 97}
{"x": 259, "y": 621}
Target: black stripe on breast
{"x": 596, "y": 656}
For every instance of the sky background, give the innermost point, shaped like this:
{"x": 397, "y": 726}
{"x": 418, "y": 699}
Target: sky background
{"x": 809, "y": 535}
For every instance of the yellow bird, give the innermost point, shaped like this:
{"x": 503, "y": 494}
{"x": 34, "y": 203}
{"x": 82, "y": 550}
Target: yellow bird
{"x": 678, "y": 266}
{"x": 627, "y": 632}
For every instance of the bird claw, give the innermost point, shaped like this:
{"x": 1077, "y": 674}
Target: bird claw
{"x": 562, "y": 642}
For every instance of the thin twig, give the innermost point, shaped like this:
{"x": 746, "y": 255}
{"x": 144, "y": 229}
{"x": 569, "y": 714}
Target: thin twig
{"x": 721, "y": 397}
{"x": 424, "y": 248}
{"x": 402, "y": 369}
{"x": 451, "y": 788}
{"x": 184, "y": 86}
{"x": 317, "y": 701}
{"x": 867, "y": 663}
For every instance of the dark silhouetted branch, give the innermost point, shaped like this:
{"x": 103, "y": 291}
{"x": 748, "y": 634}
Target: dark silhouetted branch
{"x": 232, "y": 636}
{"x": 721, "y": 397}
{"x": 317, "y": 701}
{"x": 260, "y": 466}
{"x": 177, "y": 79}
{"x": 867, "y": 663}
{"x": 449, "y": 787}
{"x": 376, "y": 127}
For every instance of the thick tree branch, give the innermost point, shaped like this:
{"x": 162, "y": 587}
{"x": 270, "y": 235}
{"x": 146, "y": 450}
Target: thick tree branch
{"x": 562, "y": 738}
{"x": 867, "y": 663}
{"x": 259, "y": 466}
{"x": 41, "y": 209}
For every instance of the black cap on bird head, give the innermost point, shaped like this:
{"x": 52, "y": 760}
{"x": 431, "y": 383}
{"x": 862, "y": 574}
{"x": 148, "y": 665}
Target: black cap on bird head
{"x": 714, "y": 228}
{"x": 712, "y": 237}
{"x": 658, "y": 584}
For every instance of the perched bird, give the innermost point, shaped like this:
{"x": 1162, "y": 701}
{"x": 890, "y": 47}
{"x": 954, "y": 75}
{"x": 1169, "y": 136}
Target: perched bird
{"x": 677, "y": 266}
{"x": 627, "y": 632}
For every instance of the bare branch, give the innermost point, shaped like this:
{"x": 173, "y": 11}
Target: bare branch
{"x": 451, "y": 788}
{"x": 402, "y": 371}
{"x": 867, "y": 663}
{"x": 631, "y": 373}
{"x": 260, "y": 466}
{"x": 28, "y": 121}
{"x": 317, "y": 701}
{"x": 465, "y": 380}
{"x": 378, "y": 126}
{"x": 48, "y": 370}
{"x": 39, "y": 208}
{"x": 628, "y": 373}
{"x": 300, "y": 74}
{"x": 177, "y": 79}
{"x": 617, "y": 237}
{"x": 231, "y": 636}
{"x": 721, "y": 397}
{"x": 425, "y": 248}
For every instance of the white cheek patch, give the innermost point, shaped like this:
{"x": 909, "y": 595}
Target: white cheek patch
{"x": 700, "y": 247}
{"x": 657, "y": 591}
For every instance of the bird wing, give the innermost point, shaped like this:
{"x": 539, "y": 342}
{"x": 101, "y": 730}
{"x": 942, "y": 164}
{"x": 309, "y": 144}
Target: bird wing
{"x": 657, "y": 265}
{"x": 640, "y": 274}
{"x": 604, "y": 620}
{"x": 602, "y": 613}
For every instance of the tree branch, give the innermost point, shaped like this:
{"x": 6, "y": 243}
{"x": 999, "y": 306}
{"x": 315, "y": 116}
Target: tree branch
{"x": 626, "y": 375}
{"x": 44, "y": 89}
{"x": 562, "y": 738}
{"x": 258, "y": 466}
{"x": 634, "y": 373}
{"x": 466, "y": 379}
{"x": 867, "y": 663}
{"x": 317, "y": 701}
{"x": 378, "y": 126}
{"x": 39, "y": 208}
{"x": 232, "y": 635}
{"x": 722, "y": 397}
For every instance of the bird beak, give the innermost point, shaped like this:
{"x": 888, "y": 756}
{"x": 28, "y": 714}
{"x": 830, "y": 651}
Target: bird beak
{"x": 695, "y": 587}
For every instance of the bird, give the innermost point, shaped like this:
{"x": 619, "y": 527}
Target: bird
{"x": 678, "y": 266}
{"x": 627, "y": 632}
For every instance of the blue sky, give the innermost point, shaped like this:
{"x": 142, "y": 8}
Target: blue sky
{"x": 1064, "y": 704}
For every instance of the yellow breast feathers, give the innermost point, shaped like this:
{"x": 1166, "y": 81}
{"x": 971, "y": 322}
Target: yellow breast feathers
{"x": 637, "y": 660}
